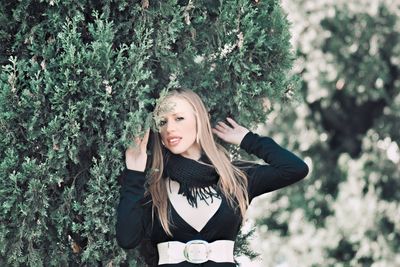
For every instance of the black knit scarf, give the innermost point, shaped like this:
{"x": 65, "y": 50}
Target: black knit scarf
{"x": 196, "y": 179}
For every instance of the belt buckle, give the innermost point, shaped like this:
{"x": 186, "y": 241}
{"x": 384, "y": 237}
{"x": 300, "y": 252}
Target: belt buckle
{"x": 196, "y": 251}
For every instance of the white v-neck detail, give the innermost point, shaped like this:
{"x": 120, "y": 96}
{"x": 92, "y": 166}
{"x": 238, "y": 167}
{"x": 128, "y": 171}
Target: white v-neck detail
{"x": 196, "y": 217}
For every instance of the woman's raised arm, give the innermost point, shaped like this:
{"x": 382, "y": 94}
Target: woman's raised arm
{"x": 283, "y": 168}
{"x": 130, "y": 227}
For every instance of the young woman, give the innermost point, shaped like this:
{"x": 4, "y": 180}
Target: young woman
{"x": 187, "y": 199}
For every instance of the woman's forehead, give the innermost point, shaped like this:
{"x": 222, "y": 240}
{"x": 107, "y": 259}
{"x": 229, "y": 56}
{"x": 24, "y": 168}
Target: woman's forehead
{"x": 175, "y": 105}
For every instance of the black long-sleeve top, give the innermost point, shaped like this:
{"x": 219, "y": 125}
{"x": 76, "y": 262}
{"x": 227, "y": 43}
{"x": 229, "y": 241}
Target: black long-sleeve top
{"x": 134, "y": 218}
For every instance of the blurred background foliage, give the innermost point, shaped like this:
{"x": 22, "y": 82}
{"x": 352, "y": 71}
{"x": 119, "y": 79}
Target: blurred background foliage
{"x": 347, "y": 211}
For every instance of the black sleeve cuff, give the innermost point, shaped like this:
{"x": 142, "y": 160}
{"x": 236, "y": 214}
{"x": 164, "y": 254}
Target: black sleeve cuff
{"x": 133, "y": 178}
{"x": 248, "y": 141}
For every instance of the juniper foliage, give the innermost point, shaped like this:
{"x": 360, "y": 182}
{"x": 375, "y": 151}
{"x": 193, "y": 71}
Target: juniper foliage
{"x": 79, "y": 79}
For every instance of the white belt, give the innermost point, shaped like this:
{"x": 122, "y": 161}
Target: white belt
{"x": 195, "y": 251}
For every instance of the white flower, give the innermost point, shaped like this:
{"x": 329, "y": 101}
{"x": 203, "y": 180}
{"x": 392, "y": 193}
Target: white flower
{"x": 108, "y": 89}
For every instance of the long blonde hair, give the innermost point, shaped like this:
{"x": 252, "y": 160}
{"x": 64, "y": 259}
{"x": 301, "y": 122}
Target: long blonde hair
{"x": 232, "y": 182}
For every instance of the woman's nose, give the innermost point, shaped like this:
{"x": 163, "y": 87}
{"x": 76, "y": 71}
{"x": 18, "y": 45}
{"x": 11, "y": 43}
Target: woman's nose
{"x": 170, "y": 126}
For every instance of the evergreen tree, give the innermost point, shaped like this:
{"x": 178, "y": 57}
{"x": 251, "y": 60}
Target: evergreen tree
{"x": 346, "y": 211}
{"x": 79, "y": 80}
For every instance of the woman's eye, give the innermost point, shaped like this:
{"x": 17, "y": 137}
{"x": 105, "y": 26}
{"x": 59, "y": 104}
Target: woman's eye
{"x": 163, "y": 122}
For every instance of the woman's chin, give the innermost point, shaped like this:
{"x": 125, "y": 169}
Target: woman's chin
{"x": 175, "y": 150}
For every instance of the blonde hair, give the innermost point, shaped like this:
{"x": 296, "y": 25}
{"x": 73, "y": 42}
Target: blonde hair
{"x": 232, "y": 182}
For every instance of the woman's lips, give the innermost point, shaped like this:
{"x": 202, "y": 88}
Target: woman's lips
{"x": 174, "y": 141}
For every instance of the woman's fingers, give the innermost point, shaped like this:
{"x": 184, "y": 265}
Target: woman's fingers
{"x": 145, "y": 139}
{"x": 224, "y": 125}
{"x": 141, "y": 142}
{"x": 215, "y": 130}
{"x": 232, "y": 122}
{"x": 147, "y": 134}
{"x": 232, "y": 133}
{"x": 224, "y": 128}
{"x": 220, "y": 128}
{"x": 136, "y": 156}
{"x": 218, "y": 133}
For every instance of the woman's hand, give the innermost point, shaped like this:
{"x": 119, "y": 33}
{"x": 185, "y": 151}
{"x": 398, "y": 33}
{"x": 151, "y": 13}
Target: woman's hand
{"x": 231, "y": 135}
{"x": 136, "y": 156}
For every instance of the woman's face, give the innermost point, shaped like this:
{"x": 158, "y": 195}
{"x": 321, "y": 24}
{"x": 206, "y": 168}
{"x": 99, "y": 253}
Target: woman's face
{"x": 178, "y": 129}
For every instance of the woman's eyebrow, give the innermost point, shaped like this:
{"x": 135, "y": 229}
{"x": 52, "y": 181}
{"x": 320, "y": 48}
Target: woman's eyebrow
{"x": 173, "y": 114}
